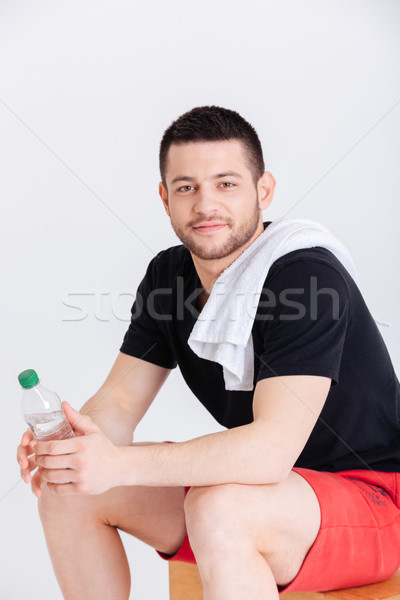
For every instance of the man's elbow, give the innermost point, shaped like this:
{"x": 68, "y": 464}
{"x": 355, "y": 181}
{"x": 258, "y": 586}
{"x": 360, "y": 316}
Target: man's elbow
{"x": 280, "y": 470}
{"x": 277, "y": 461}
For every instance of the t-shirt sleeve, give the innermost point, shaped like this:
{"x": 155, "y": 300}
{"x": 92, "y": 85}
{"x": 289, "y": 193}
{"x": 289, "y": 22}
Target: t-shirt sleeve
{"x": 303, "y": 321}
{"x": 145, "y": 337}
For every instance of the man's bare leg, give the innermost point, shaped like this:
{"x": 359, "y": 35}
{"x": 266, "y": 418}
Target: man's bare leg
{"x": 249, "y": 538}
{"x": 85, "y": 547}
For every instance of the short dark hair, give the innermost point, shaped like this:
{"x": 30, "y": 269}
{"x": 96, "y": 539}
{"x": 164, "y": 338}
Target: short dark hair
{"x": 209, "y": 124}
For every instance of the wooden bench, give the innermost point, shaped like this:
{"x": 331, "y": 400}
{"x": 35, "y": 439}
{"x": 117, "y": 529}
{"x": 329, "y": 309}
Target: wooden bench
{"x": 185, "y": 584}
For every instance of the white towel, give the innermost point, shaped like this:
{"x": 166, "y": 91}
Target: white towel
{"x": 222, "y": 332}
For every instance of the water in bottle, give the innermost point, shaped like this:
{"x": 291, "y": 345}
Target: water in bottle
{"x": 42, "y": 410}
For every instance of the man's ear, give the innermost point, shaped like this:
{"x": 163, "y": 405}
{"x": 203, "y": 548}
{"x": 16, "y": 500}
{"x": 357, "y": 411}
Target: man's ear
{"x": 265, "y": 188}
{"x": 164, "y": 196}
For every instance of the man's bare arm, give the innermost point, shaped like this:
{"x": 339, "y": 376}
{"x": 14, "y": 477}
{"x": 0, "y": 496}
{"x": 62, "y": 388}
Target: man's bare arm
{"x": 123, "y": 399}
{"x": 285, "y": 411}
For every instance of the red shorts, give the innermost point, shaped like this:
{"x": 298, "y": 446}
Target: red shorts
{"x": 359, "y": 537}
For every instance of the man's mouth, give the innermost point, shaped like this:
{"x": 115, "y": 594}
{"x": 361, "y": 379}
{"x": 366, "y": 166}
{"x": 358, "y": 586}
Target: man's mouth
{"x": 210, "y": 227}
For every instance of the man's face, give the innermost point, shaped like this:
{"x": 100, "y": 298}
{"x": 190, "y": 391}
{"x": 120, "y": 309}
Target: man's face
{"x": 210, "y": 182}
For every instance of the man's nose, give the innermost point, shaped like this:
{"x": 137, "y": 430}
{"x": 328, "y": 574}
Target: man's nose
{"x": 206, "y": 200}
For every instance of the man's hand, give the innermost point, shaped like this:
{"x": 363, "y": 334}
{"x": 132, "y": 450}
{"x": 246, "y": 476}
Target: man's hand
{"x": 86, "y": 464}
{"x": 27, "y": 462}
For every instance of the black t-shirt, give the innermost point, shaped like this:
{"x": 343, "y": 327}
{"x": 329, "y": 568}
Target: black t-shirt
{"x": 311, "y": 320}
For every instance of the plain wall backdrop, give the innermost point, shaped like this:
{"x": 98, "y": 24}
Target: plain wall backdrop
{"x": 86, "y": 92}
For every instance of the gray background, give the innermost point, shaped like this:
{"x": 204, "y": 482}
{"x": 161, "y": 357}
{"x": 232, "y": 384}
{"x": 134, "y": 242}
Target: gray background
{"x": 86, "y": 91}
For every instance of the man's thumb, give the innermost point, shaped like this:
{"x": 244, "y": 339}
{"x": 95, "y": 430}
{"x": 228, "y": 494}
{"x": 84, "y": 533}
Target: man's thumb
{"x": 81, "y": 423}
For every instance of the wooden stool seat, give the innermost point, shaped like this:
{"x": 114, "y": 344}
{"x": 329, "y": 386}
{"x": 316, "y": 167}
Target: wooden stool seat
{"x": 185, "y": 584}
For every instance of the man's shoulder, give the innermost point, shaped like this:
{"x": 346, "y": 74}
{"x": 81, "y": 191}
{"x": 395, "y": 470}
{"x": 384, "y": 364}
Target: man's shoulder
{"x": 173, "y": 255}
{"x": 315, "y": 259}
{"x": 310, "y": 267}
{"x": 167, "y": 264}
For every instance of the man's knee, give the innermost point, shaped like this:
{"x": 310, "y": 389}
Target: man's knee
{"x": 214, "y": 516}
{"x": 74, "y": 507}
{"x": 205, "y": 502}
{"x": 279, "y": 520}
{"x": 261, "y": 515}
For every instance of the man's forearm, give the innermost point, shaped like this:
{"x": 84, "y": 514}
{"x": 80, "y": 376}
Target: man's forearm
{"x": 110, "y": 416}
{"x": 238, "y": 455}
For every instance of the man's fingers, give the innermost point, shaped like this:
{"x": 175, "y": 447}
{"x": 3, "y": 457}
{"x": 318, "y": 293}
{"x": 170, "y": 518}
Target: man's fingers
{"x": 64, "y": 461}
{"x": 27, "y": 437}
{"x": 27, "y": 461}
{"x": 65, "y": 489}
{"x": 35, "y": 484}
{"x": 28, "y": 465}
{"x": 59, "y": 476}
{"x": 21, "y": 453}
{"x": 68, "y": 446}
{"x": 24, "y": 451}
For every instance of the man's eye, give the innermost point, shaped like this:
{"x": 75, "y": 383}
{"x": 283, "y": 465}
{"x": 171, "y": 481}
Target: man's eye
{"x": 186, "y": 188}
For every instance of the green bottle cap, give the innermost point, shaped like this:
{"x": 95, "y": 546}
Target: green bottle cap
{"x": 28, "y": 378}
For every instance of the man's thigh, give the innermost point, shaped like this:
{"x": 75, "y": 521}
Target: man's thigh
{"x": 353, "y": 539}
{"x": 284, "y": 520}
{"x": 281, "y": 520}
{"x": 152, "y": 514}
{"x": 292, "y": 528}
{"x": 155, "y": 515}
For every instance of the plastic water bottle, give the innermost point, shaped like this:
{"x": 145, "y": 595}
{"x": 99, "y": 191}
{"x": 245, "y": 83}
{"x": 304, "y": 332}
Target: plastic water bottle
{"x": 42, "y": 410}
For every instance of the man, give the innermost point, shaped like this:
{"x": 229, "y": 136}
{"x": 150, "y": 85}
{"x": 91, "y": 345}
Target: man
{"x": 299, "y": 492}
